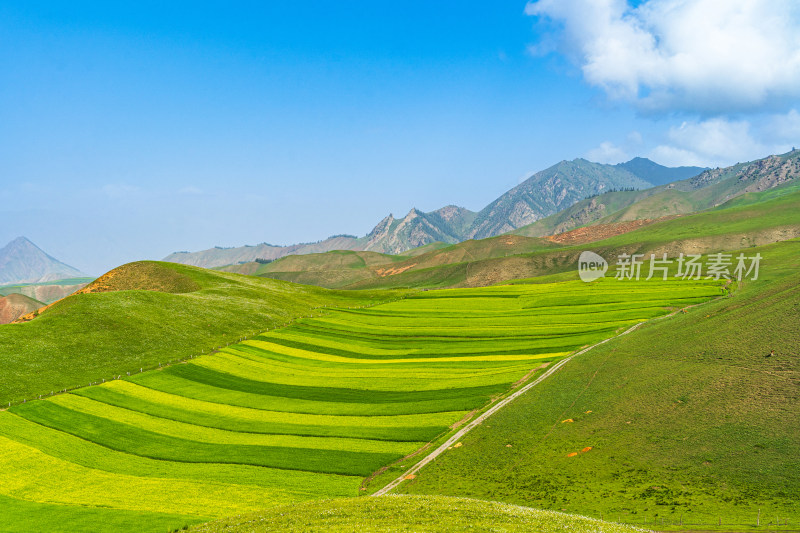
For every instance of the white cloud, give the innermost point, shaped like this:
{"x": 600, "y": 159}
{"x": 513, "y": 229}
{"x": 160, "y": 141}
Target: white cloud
{"x": 672, "y": 156}
{"x": 612, "y": 153}
{"x": 710, "y": 143}
{"x": 786, "y": 127}
{"x": 707, "y": 56}
{"x": 608, "y": 153}
{"x": 721, "y": 142}
{"x": 635, "y": 138}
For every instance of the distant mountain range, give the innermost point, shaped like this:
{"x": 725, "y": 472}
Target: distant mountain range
{"x": 543, "y": 194}
{"x": 21, "y": 261}
{"x": 749, "y": 204}
{"x": 708, "y": 189}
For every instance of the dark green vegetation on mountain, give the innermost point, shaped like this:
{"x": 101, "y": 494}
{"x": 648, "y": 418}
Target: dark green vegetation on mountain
{"x": 688, "y": 416}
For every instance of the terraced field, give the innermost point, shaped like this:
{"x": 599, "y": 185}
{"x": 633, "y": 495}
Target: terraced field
{"x": 298, "y": 413}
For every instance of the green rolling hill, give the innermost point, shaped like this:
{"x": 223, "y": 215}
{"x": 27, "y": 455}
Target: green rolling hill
{"x": 301, "y": 412}
{"x": 318, "y": 395}
{"x": 688, "y": 419}
{"x": 113, "y": 329}
{"x": 434, "y": 514}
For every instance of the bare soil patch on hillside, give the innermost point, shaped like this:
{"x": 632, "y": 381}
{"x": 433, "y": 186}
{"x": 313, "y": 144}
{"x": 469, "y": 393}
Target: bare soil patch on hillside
{"x": 603, "y": 231}
{"x": 142, "y": 276}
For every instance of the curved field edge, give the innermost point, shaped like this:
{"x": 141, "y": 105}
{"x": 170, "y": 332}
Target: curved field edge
{"x": 690, "y": 420}
{"x": 110, "y": 330}
{"x": 20, "y": 516}
{"x": 80, "y": 438}
{"x": 409, "y": 513}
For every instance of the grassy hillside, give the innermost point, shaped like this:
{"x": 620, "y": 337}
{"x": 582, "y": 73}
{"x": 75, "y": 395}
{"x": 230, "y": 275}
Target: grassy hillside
{"x": 333, "y": 269}
{"x": 306, "y": 411}
{"x": 728, "y": 227}
{"x": 408, "y": 513}
{"x": 424, "y": 249}
{"x": 94, "y": 336}
{"x": 432, "y": 266}
{"x": 686, "y": 417}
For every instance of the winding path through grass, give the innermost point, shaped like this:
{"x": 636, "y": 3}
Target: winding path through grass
{"x": 499, "y": 405}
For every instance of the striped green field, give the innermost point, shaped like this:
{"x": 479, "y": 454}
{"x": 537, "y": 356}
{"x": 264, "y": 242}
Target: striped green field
{"x": 299, "y": 413}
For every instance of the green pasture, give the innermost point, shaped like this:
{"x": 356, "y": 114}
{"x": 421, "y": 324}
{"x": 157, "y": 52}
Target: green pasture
{"x": 301, "y": 412}
{"x": 689, "y": 423}
{"x": 434, "y": 514}
{"x": 189, "y": 311}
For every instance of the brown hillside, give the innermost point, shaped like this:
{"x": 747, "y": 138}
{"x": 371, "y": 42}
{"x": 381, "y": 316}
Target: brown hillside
{"x": 50, "y": 293}
{"x": 142, "y": 276}
{"x": 16, "y": 305}
{"x": 599, "y": 232}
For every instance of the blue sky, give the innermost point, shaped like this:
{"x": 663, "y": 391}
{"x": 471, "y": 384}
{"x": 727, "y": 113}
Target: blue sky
{"x": 129, "y": 132}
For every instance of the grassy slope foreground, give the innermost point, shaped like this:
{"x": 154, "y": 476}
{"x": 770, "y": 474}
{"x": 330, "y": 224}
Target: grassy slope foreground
{"x": 113, "y": 329}
{"x": 685, "y": 417}
{"x": 409, "y": 513}
{"x": 298, "y": 413}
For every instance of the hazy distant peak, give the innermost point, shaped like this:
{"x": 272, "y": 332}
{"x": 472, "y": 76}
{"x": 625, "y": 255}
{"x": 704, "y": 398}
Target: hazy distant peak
{"x": 21, "y": 261}
{"x": 658, "y": 174}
